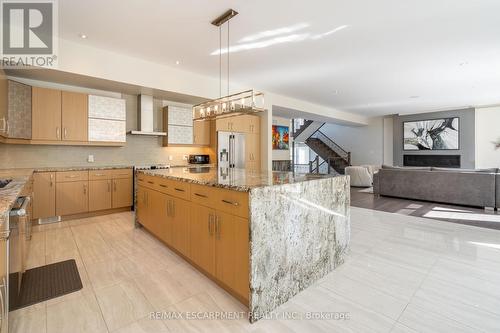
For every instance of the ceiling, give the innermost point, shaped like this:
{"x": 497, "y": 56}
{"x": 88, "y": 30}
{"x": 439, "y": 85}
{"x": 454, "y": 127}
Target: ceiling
{"x": 362, "y": 56}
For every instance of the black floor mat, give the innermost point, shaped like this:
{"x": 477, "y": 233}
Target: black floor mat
{"x": 43, "y": 283}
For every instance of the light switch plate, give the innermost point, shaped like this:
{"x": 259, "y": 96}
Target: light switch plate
{"x": 90, "y": 159}
{"x": 170, "y": 157}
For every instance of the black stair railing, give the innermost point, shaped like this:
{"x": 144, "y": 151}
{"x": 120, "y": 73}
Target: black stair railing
{"x": 341, "y": 152}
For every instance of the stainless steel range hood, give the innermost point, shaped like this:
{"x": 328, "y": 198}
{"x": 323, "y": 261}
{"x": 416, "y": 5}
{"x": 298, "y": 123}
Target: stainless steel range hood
{"x": 145, "y": 117}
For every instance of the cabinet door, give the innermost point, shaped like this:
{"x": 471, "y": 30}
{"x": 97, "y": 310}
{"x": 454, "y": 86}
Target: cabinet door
{"x": 253, "y": 124}
{"x": 179, "y": 211}
{"x": 242, "y": 262}
{"x": 252, "y": 148}
{"x": 231, "y": 252}
{"x": 46, "y": 114}
{"x": 72, "y": 198}
{"x": 201, "y": 237}
{"x": 223, "y": 124}
{"x": 99, "y": 195}
{"x": 122, "y": 192}
{"x": 225, "y": 258}
{"x": 201, "y": 132}
{"x": 142, "y": 206}
{"x": 157, "y": 218}
{"x": 74, "y": 116}
{"x": 44, "y": 189}
{"x": 19, "y": 111}
{"x": 239, "y": 124}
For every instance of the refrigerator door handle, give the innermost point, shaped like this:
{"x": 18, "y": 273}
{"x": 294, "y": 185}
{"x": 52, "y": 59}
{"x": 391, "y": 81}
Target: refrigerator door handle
{"x": 231, "y": 150}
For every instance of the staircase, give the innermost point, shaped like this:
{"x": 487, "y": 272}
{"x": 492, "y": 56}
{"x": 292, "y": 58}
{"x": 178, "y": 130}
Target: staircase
{"x": 331, "y": 154}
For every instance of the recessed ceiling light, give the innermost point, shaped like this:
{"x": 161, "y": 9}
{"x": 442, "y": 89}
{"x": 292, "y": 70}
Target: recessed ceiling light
{"x": 335, "y": 92}
{"x": 414, "y": 96}
{"x": 463, "y": 63}
{"x": 177, "y": 62}
{"x": 82, "y": 36}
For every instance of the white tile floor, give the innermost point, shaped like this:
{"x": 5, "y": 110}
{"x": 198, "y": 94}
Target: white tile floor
{"x": 404, "y": 274}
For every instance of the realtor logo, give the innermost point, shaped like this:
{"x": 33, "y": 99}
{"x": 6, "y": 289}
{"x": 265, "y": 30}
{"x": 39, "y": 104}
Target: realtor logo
{"x": 28, "y": 33}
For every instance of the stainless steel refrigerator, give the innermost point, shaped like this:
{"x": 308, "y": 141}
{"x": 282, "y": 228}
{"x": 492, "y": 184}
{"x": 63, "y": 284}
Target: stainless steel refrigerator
{"x": 231, "y": 150}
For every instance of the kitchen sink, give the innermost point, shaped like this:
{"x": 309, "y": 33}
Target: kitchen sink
{"x": 4, "y": 182}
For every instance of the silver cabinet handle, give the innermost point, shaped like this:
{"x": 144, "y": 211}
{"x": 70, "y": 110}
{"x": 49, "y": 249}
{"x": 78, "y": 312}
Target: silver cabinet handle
{"x": 109, "y": 186}
{"x": 200, "y": 195}
{"x": 114, "y": 185}
{"x": 99, "y": 174}
{"x": 180, "y": 189}
{"x": 217, "y": 227}
{"x": 230, "y": 202}
{"x": 209, "y": 223}
{"x": 84, "y": 189}
{"x": 173, "y": 208}
{"x": 163, "y": 185}
{"x": 71, "y": 176}
{"x": 150, "y": 182}
{"x": 65, "y": 132}
{"x": 168, "y": 207}
{"x": 58, "y": 132}
{"x": 3, "y": 286}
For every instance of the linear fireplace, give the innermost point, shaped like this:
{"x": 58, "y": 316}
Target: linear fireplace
{"x": 444, "y": 161}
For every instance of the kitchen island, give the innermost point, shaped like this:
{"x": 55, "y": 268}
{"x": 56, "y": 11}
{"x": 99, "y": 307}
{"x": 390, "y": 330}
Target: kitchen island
{"x": 262, "y": 236}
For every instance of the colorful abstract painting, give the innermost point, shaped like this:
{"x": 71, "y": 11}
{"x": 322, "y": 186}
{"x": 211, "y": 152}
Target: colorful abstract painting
{"x": 280, "y": 137}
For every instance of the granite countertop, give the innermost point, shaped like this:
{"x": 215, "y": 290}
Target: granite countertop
{"x": 82, "y": 168}
{"x": 236, "y": 179}
{"x": 10, "y": 193}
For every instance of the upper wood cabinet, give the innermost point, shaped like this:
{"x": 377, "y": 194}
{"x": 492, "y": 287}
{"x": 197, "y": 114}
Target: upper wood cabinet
{"x": 240, "y": 124}
{"x": 44, "y": 195}
{"x": 46, "y": 114}
{"x": 15, "y": 114}
{"x": 201, "y": 132}
{"x": 74, "y": 116}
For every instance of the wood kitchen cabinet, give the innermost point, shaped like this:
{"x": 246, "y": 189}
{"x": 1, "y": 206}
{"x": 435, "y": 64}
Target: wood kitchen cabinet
{"x": 201, "y": 237}
{"x": 74, "y": 116}
{"x": 44, "y": 192}
{"x": 201, "y": 132}
{"x": 46, "y": 114}
{"x": 100, "y": 196}
{"x": 252, "y": 149}
{"x": 122, "y": 193}
{"x": 72, "y": 198}
{"x": 179, "y": 212}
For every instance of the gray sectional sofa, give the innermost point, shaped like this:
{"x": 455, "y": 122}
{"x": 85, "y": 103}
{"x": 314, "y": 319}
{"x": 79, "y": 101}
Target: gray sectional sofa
{"x": 454, "y": 186}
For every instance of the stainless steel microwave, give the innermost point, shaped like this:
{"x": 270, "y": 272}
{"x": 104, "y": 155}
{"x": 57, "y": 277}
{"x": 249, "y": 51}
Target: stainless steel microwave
{"x": 199, "y": 159}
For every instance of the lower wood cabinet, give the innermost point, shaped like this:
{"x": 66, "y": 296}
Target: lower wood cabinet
{"x": 122, "y": 193}
{"x": 205, "y": 229}
{"x": 44, "y": 195}
{"x": 72, "y": 198}
{"x": 74, "y": 192}
{"x": 99, "y": 195}
{"x": 201, "y": 237}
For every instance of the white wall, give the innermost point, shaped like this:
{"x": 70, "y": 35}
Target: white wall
{"x": 487, "y": 132}
{"x": 366, "y": 143}
{"x": 280, "y": 155}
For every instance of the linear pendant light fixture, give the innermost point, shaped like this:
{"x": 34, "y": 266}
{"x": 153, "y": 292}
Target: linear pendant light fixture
{"x": 245, "y": 102}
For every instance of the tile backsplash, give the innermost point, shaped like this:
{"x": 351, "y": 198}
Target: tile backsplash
{"x": 139, "y": 150}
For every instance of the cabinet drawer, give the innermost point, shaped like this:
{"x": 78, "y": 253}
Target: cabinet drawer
{"x": 147, "y": 181}
{"x": 232, "y": 202}
{"x": 100, "y": 174}
{"x": 71, "y": 176}
{"x": 204, "y": 195}
{"x": 178, "y": 189}
{"x": 122, "y": 173}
